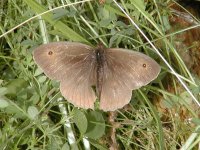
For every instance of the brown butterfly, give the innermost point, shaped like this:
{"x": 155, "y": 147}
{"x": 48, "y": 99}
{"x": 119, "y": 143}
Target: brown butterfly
{"x": 114, "y": 71}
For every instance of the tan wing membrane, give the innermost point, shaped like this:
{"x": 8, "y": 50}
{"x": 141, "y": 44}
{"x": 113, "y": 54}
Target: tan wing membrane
{"x": 58, "y": 58}
{"x": 77, "y": 88}
{"x": 115, "y": 93}
{"x": 125, "y": 71}
{"x": 73, "y": 64}
{"x": 78, "y": 91}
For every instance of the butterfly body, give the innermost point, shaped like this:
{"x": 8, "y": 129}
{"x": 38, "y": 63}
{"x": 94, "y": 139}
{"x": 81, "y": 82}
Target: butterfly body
{"x": 100, "y": 63}
{"x": 114, "y": 71}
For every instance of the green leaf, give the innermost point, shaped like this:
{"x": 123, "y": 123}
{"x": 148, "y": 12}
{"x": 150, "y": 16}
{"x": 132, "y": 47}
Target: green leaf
{"x": 80, "y": 120}
{"x": 59, "y": 13}
{"x": 65, "y": 147}
{"x": 3, "y": 91}
{"x": 15, "y": 85}
{"x": 34, "y": 98}
{"x": 38, "y": 71}
{"x": 114, "y": 10}
{"x": 32, "y": 112}
{"x": 196, "y": 121}
{"x": 28, "y": 42}
{"x": 140, "y": 4}
{"x": 97, "y": 145}
{"x": 96, "y": 125}
{"x": 16, "y": 111}
{"x": 42, "y": 79}
{"x": 3, "y": 103}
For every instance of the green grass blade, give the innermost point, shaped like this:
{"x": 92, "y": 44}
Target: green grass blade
{"x": 59, "y": 25}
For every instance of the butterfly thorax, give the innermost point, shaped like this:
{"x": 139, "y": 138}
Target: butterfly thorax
{"x": 100, "y": 59}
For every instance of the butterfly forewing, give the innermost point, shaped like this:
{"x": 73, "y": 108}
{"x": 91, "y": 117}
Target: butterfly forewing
{"x": 73, "y": 64}
{"x": 58, "y": 58}
{"x": 124, "y": 71}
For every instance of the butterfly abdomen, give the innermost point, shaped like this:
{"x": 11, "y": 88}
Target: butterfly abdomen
{"x": 100, "y": 59}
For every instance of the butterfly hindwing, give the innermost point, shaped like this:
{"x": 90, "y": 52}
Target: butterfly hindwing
{"x": 77, "y": 88}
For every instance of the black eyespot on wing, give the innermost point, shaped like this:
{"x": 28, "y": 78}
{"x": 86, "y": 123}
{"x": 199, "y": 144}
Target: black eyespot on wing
{"x": 50, "y": 53}
{"x": 144, "y": 65}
